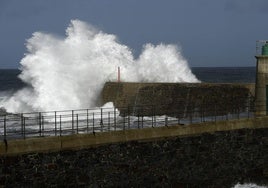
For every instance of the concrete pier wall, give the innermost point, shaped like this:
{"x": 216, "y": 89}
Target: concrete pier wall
{"x": 79, "y": 141}
{"x": 218, "y": 155}
{"x": 180, "y": 97}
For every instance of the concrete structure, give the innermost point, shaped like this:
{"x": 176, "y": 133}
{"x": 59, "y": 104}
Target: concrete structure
{"x": 209, "y": 154}
{"x": 212, "y": 154}
{"x": 261, "y": 91}
{"x": 80, "y": 141}
{"x": 179, "y": 97}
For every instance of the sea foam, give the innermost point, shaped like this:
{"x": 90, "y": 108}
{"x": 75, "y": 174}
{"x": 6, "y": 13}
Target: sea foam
{"x": 249, "y": 185}
{"x": 69, "y": 72}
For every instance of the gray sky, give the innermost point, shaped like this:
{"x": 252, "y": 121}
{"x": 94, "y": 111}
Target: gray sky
{"x": 211, "y": 32}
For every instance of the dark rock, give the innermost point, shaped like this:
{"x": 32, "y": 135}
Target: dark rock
{"x": 221, "y": 159}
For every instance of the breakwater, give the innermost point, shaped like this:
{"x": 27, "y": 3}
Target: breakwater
{"x": 214, "y": 159}
{"x": 212, "y": 154}
{"x": 180, "y": 98}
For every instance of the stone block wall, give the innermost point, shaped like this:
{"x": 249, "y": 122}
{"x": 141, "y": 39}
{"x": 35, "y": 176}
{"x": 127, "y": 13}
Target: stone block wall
{"x": 219, "y": 159}
{"x": 179, "y": 98}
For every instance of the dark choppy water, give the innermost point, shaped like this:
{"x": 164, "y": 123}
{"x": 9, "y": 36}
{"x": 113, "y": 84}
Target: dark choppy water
{"x": 10, "y": 82}
{"x": 225, "y": 74}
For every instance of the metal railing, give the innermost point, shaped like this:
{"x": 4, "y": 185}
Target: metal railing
{"x": 58, "y": 123}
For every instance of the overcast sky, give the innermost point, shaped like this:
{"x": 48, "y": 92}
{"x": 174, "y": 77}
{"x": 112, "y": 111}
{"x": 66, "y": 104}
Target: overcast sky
{"x": 210, "y": 32}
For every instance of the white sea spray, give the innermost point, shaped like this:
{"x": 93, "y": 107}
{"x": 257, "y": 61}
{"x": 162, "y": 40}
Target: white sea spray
{"x": 248, "y": 185}
{"x": 69, "y": 72}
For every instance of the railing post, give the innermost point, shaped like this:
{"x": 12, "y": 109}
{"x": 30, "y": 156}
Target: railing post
{"x": 154, "y": 120}
{"x": 87, "y": 120}
{"x": 43, "y": 127}
{"x": 109, "y": 121}
{"x": 55, "y": 123}
{"x": 138, "y": 120}
{"x": 76, "y": 123}
{"x": 93, "y": 123}
{"x": 5, "y": 127}
{"x": 166, "y": 120}
{"x": 21, "y": 119}
{"x": 124, "y": 121}
{"x": 114, "y": 119}
{"x": 72, "y": 120}
{"x": 153, "y": 116}
{"x": 141, "y": 116}
{"x": 40, "y": 124}
{"x": 24, "y": 136}
{"x": 60, "y": 125}
{"x": 101, "y": 122}
{"x": 142, "y": 121}
{"x": 227, "y": 108}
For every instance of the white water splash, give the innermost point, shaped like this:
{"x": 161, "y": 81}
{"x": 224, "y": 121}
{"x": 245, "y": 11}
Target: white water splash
{"x": 250, "y": 185}
{"x": 69, "y": 72}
